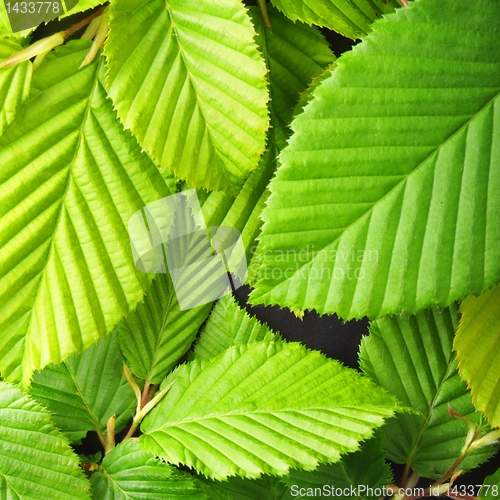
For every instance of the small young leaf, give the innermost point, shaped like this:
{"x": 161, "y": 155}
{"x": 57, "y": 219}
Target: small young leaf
{"x": 352, "y": 18}
{"x": 129, "y": 473}
{"x": 86, "y": 390}
{"x": 412, "y": 357}
{"x": 36, "y": 461}
{"x": 361, "y": 475}
{"x": 187, "y": 79}
{"x": 384, "y": 200}
{"x": 263, "y": 408}
{"x": 229, "y": 325}
{"x": 477, "y": 343}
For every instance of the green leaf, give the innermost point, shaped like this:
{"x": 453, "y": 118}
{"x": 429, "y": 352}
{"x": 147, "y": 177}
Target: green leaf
{"x": 86, "y": 390}
{"x": 491, "y": 487}
{"x": 129, "y": 473}
{"x": 186, "y": 77}
{"x": 477, "y": 343}
{"x": 35, "y": 459}
{"x": 412, "y": 357}
{"x": 295, "y": 54}
{"x": 227, "y": 326}
{"x": 352, "y": 18}
{"x": 358, "y": 475}
{"x": 237, "y": 488}
{"x": 70, "y": 178}
{"x": 386, "y": 197}
{"x": 156, "y": 335}
{"x": 14, "y": 83}
{"x": 82, "y": 6}
{"x": 263, "y": 408}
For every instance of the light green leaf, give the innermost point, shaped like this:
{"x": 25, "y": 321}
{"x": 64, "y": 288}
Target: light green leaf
{"x": 237, "y": 488}
{"x": 156, "y": 335}
{"x": 263, "y": 408}
{"x": 186, "y": 77}
{"x": 70, "y": 178}
{"x": 412, "y": 357}
{"x": 129, "y": 473}
{"x": 14, "y": 83}
{"x": 35, "y": 458}
{"x": 352, "y": 18}
{"x": 86, "y": 390}
{"x": 386, "y": 197}
{"x": 82, "y": 6}
{"x": 477, "y": 343}
{"x": 229, "y": 325}
{"x": 361, "y": 475}
{"x": 491, "y": 487}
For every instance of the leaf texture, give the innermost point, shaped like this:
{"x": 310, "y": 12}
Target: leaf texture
{"x": 237, "y": 488}
{"x": 491, "y": 487}
{"x": 228, "y": 325}
{"x": 412, "y": 357}
{"x": 358, "y": 475}
{"x": 129, "y": 473}
{"x": 157, "y": 334}
{"x": 351, "y": 18}
{"x": 385, "y": 198}
{"x": 35, "y": 459}
{"x": 14, "y": 83}
{"x": 477, "y": 343}
{"x": 70, "y": 178}
{"x": 186, "y": 77}
{"x": 252, "y": 411}
{"x": 86, "y": 390}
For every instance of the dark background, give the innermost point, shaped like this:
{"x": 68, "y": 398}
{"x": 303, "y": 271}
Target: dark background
{"x": 328, "y": 334}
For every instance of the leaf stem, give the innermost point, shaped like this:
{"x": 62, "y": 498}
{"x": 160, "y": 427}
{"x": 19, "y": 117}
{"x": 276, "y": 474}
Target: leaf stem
{"x": 83, "y": 22}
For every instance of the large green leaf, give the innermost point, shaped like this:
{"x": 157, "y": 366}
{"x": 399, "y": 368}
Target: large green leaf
{"x": 386, "y": 197}
{"x": 14, "y": 83}
{"x": 361, "y": 475}
{"x": 70, "y": 178}
{"x": 129, "y": 473}
{"x": 86, "y": 390}
{"x": 477, "y": 343}
{"x": 158, "y": 332}
{"x": 352, "y": 18}
{"x": 186, "y": 77}
{"x": 263, "y": 408}
{"x": 229, "y": 325}
{"x": 412, "y": 357}
{"x": 35, "y": 459}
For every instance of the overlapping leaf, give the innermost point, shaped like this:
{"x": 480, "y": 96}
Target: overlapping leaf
{"x": 361, "y": 475}
{"x": 186, "y": 77}
{"x": 263, "y": 408}
{"x": 129, "y": 473}
{"x": 14, "y": 83}
{"x": 70, "y": 178}
{"x": 229, "y": 325}
{"x": 86, "y": 390}
{"x": 351, "y": 18}
{"x": 158, "y": 332}
{"x": 237, "y": 488}
{"x": 385, "y": 200}
{"x": 477, "y": 343}
{"x": 35, "y": 459}
{"x": 412, "y": 357}
{"x": 491, "y": 487}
